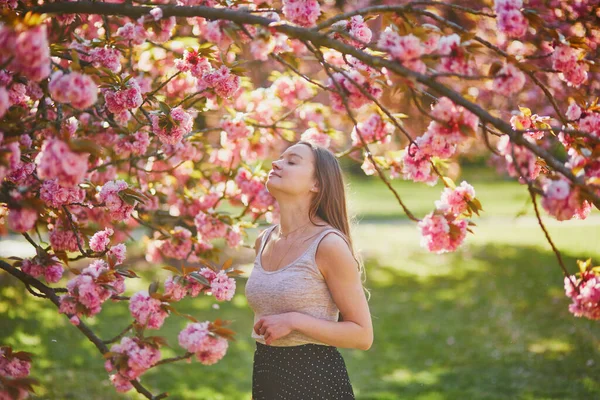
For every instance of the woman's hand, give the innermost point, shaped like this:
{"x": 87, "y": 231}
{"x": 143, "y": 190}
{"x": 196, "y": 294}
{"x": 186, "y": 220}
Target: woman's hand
{"x": 276, "y": 326}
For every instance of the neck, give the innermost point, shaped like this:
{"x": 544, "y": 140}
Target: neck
{"x": 293, "y": 216}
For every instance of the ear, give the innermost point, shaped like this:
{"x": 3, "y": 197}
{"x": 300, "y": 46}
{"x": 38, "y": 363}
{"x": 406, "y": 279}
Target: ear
{"x": 315, "y": 188}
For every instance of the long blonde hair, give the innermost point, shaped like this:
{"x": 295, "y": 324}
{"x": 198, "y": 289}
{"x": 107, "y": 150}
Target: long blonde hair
{"x": 329, "y": 203}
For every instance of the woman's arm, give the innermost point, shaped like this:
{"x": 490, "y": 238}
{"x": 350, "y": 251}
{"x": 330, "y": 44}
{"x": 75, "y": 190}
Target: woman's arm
{"x": 340, "y": 270}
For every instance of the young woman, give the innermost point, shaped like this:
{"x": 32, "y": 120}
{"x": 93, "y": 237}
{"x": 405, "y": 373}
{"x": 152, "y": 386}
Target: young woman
{"x": 305, "y": 289}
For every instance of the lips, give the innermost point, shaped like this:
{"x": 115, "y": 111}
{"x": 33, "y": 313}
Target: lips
{"x": 274, "y": 174}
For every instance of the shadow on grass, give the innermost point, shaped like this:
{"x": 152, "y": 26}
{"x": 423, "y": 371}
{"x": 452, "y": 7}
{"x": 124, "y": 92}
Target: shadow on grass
{"x": 493, "y": 325}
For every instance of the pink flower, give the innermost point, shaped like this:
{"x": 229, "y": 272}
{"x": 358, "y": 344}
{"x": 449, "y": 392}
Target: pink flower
{"x": 301, "y": 12}
{"x": 147, "y": 310}
{"x": 174, "y": 288}
{"x": 32, "y": 53}
{"x": 525, "y": 159}
{"x": 315, "y": 136}
{"x": 22, "y": 219}
{"x": 193, "y": 62}
{"x": 573, "y": 112}
{"x": 117, "y": 207}
{"x": 442, "y": 233}
{"x": 454, "y": 201}
{"x": 456, "y": 58}
{"x": 209, "y": 227}
{"x": 75, "y": 88}
{"x": 117, "y": 253}
{"x": 56, "y": 160}
{"x": 124, "y": 99}
{"x": 235, "y": 127}
{"x": 55, "y": 195}
{"x": 416, "y": 166}
{"x": 106, "y": 57}
{"x": 563, "y": 202}
{"x": 224, "y": 83}
{"x": 566, "y": 60}
{"x": 4, "y": 101}
{"x": 156, "y": 13}
{"x": 357, "y": 28}
{"x": 88, "y": 290}
{"x": 139, "y": 356}
{"x": 169, "y": 133}
{"x": 223, "y": 287}
{"x": 132, "y": 32}
{"x": 53, "y": 273}
{"x": 407, "y": 49}
{"x": 355, "y": 96}
{"x": 508, "y": 80}
{"x": 178, "y": 245}
{"x": 46, "y": 265}
{"x": 11, "y": 366}
{"x": 509, "y": 17}
{"x": 586, "y": 303}
{"x": 373, "y": 129}
{"x": 196, "y": 338}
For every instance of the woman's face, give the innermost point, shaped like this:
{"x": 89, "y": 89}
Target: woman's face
{"x": 293, "y": 172}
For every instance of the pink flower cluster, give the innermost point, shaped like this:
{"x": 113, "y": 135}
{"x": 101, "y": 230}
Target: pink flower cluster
{"x": 48, "y": 266}
{"x": 101, "y": 240}
{"x": 356, "y": 99}
{"x": 440, "y": 140}
{"x": 132, "y": 32}
{"x": 27, "y": 52}
{"x": 222, "y": 81}
{"x": 22, "y": 219}
{"x": 179, "y": 245}
{"x": 235, "y": 128}
{"x": 317, "y": 137}
{"x": 508, "y": 80}
{"x": 209, "y": 227}
{"x": 56, "y": 160}
{"x": 147, "y": 311}
{"x": 253, "y": 191}
{"x": 566, "y": 60}
{"x": 454, "y": 201}
{"x": 194, "y": 63}
{"x": 73, "y": 88}
{"x": 62, "y": 236}
{"x": 88, "y": 290}
{"x": 291, "y": 90}
{"x": 131, "y": 358}
{"x": 441, "y": 233}
{"x": 373, "y": 129}
{"x": 55, "y": 195}
{"x": 4, "y": 101}
{"x": 121, "y": 101}
{"x": 302, "y": 12}
{"x": 173, "y": 133}
{"x": 586, "y": 302}
{"x": 14, "y": 366}
{"x": 527, "y": 122}
{"x": 197, "y": 338}
{"x": 357, "y": 28}
{"x": 564, "y": 202}
{"x": 525, "y": 160}
{"x": 454, "y": 57}
{"x": 221, "y": 285}
{"x": 406, "y": 49}
{"x": 509, "y": 17}
{"x": 118, "y": 209}
{"x": 135, "y": 144}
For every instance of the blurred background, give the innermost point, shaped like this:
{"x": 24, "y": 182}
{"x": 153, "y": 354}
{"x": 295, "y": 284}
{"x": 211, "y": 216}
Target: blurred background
{"x": 489, "y": 321}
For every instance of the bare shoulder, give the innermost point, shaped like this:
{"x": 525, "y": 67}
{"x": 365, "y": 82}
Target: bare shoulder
{"x": 334, "y": 253}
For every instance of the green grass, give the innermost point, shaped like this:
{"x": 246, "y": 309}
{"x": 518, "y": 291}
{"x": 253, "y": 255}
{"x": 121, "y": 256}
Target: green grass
{"x": 487, "y": 322}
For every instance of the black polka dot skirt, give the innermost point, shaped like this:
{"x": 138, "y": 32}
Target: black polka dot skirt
{"x": 305, "y": 372}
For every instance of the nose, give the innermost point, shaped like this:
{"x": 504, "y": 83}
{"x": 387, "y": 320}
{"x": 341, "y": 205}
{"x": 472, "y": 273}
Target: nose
{"x": 275, "y": 165}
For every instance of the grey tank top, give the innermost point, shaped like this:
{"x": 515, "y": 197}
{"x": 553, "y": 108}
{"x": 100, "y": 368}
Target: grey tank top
{"x": 298, "y": 286}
